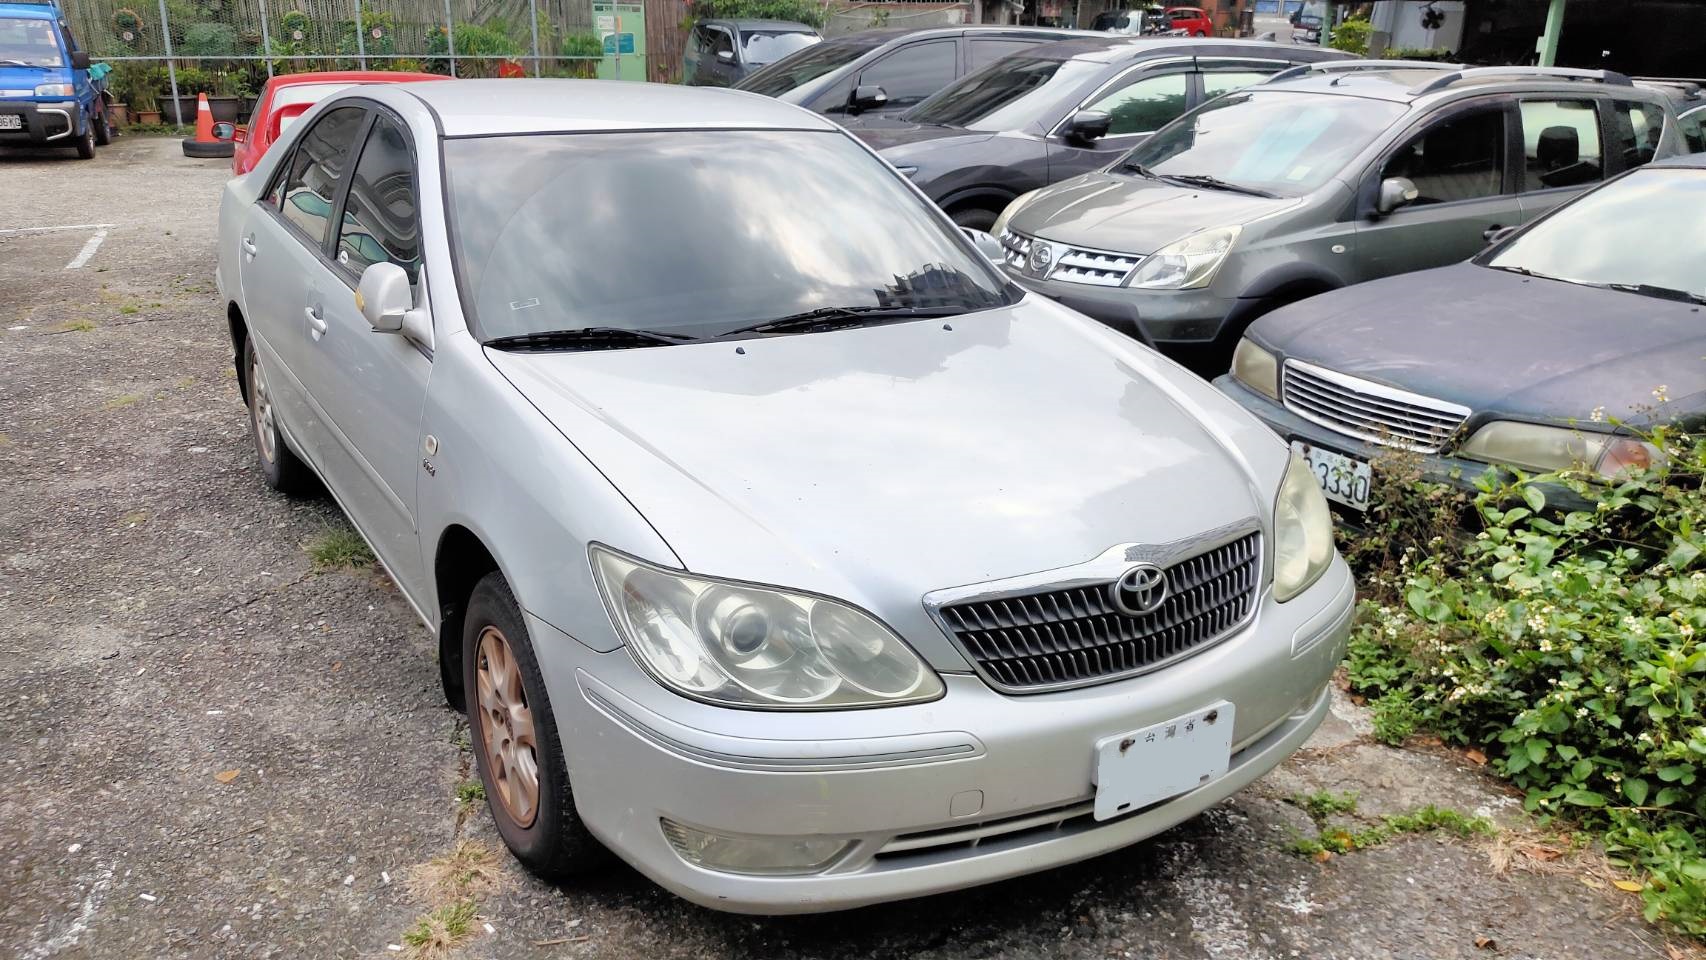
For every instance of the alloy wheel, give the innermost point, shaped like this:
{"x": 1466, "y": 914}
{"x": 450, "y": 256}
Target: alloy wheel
{"x": 506, "y": 724}
{"x": 261, "y": 411}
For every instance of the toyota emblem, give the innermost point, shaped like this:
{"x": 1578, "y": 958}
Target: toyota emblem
{"x": 1041, "y": 256}
{"x": 1140, "y": 590}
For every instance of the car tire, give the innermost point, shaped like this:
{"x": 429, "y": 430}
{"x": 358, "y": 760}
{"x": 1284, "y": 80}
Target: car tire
{"x": 86, "y": 143}
{"x": 280, "y": 466}
{"x": 103, "y": 126}
{"x": 514, "y": 735}
{"x": 974, "y": 218}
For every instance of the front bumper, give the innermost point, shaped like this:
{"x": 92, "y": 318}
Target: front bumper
{"x": 969, "y": 789}
{"x": 1435, "y": 468}
{"x": 1163, "y": 319}
{"x": 43, "y": 121}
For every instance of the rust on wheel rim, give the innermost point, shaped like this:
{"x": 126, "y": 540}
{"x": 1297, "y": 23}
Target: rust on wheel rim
{"x": 506, "y": 723}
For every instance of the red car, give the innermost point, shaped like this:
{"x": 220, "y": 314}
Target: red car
{"x": 287, "y": 97}
{"x": 1192, "y": 20}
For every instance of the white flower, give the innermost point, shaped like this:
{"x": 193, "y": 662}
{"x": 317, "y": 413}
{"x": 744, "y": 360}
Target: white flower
{"x": 1581, "y": 712}
{"x": 1661, "y": 394}
{"x": 1598, "y": 415}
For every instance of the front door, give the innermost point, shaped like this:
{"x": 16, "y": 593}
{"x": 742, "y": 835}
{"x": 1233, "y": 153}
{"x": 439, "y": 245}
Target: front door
{"x": 1138, "y": 104}
{"x": 1465, "y": 191}
{"x": 372, "y": 385}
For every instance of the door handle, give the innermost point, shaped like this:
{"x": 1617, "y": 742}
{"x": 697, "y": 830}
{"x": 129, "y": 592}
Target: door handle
{"x": 1487, "y": 234}
{"x": 249, "y": 246}
{"x": 316, "y": 321}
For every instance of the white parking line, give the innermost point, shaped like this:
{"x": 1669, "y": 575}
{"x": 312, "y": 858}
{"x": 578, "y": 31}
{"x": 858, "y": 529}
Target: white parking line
{"x": 69, "y": 226}
{"x": 88, "y": 250}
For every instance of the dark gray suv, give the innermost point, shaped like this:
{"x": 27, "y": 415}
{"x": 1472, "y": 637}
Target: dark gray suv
{"x": 1324, "y": 176}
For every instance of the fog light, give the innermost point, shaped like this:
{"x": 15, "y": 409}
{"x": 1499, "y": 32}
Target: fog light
{"x": 756, "y": 855}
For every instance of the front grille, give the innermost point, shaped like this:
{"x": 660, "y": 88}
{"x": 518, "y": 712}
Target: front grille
{"x": 1368, "y": 410}
{"x": 1063, "y": 637}
{"x": 1069, "y": 264}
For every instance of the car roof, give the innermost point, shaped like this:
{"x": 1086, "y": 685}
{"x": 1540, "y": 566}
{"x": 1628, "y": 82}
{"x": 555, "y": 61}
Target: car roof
{"x": 29, "y": 11}
{"x": 1117, "y": 49}
{"x": 1689, "y": 161}
{"x": 473, "y": 108}
{"x": 1403, "y": 84}
{"x": 790, "y": 25}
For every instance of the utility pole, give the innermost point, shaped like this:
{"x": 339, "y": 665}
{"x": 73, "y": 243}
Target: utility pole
{"x": 1548, "y": 46}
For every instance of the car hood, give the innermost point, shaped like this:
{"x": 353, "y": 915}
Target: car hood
{"x": 13, "y": 78}
{"x": 881, "y": 463}
{"x": 1132, "y": 214}
{"x": 1501, "y": 343}
{"x": 887, "y": 137}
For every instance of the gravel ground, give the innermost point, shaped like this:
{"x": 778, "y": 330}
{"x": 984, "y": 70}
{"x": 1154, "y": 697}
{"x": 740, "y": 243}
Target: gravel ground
{"x": 207, "y": 749}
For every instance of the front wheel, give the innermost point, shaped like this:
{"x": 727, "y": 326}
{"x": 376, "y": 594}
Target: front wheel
{"x": 514, "y": 734}
{"x": 974, "y": 218}
{"x": 103, "y": 126}
{"x": 86, "y": 143}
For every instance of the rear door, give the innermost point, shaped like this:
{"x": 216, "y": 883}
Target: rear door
{"x": 1139, "y": 101}
{"x": 1459, "y": 160}
{"x": 282, "y": 257}
{"x": 1562, "y": 152}
{"x": 371, "y": 386}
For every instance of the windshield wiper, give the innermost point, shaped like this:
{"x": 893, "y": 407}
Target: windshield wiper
{"x": 15, "y": 63}
{"x": 1650, "y": 290}
{"x": 1215, "y": 183}
{"x": 1520, "y": 271}
{"x": 585, "y": 338}
{"x": 1132, "y": 166}
{"x": 838, "y": 318}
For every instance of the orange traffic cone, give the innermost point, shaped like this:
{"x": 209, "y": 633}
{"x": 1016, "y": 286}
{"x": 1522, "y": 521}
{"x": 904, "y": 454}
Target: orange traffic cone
{"x": 204, "y": 144}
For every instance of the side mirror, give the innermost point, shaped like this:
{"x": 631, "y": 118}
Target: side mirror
{"x": 225, "y": 131}
{"x": 868, "y": 97}
{"x": 80, "y": 60}
{"x": 1088, "y": 125}
{"x": 986, "y": 244}
{"x": 1503, "y": 233}
{"x": 727, "y": 56}
{"x": 383, "y": 296}
{"x": 1394, "y": 193}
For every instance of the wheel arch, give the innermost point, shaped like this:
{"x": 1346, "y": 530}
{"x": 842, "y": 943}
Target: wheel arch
{"x": 239, "y": 328}
{"x": 460, "y": 559}
{"x": 987, "y": 197}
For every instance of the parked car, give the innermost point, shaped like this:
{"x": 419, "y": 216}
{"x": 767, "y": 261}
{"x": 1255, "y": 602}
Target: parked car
{"x": 886, "y": 71}
{"x": 1192, "y": 20}
{"x": 48, "y": 94}
{"x": 1061, "y": 109}
{"x": 1308, "y": 29}
{"x": 1688, "y": 99}
{"x": 1555, "y": 349}
{"x": 1136, "y": 21}
{"x": 286, "y": 97}
{"x": 714, "y": 505}
{"x": 1323, "y": 176}
{"x": 721, "y": 52}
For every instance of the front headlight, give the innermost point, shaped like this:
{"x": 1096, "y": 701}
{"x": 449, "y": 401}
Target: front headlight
{"x": 1256, "y": 368}
{"x": 1303, "y": 532}
{"x": 1007, "y": 214}
{"x": 1186, "y": 264}
{"x": 56, "y": 90}
{"x": 1534, "y": 446}
{"x": 750, "y": 646}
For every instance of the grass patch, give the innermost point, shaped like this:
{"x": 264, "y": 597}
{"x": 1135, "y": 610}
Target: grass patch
{"x": 1394, "y": 716}
{"x": 339, "y": 548}
{"x": 470, "y": 792}
{"x": 1324, "y": 803}
{"x": 121, "y": 401}
{"x": 464, "y": 874}
{"x": 77, "y": 326}
{"x": 128, "y": 309}
{"x": 436, "y": 934}
{"x": 1428, "y": 819}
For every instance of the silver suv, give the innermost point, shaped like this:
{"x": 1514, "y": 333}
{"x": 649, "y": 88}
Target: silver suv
{"x": 1324, "y": 176}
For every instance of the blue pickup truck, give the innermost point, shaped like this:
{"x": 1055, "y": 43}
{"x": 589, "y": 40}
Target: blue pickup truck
{"x": 49, "y": 95}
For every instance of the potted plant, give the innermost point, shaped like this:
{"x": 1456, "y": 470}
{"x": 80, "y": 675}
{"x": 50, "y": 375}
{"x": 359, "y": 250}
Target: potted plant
{"x": 191, "y": 81}
{"x": 225, "y": 95}
{"x": 136, "y": 84}
{"x": 146, "y": 103}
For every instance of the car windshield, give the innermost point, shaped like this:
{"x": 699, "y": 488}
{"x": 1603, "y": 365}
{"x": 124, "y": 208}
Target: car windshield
{"x": 769, "y": 46}
{"x": 1011, "y": 94}
{"x": 1284, "y": 143}
{"x": 1643, "y": 233}
{"x": 695, "y": 234}
{"x": 29, "y": 43}
{"x": 782, "y": 76}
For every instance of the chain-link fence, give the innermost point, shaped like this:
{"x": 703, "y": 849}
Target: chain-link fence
{"x": 165, "y": 53}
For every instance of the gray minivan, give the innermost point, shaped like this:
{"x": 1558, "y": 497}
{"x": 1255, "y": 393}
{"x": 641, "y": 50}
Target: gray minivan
{"x": 1324, "y": 176}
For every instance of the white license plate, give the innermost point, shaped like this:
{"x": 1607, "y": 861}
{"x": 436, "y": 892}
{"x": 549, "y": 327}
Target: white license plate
{"x": 11, "y": 121}
{"x": 1345, "y": 479}
{"x": 1134, "y": 770}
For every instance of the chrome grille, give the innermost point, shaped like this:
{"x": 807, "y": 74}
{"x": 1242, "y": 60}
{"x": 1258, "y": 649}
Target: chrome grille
{"x": 1368, "y": 410}
{"x": 1062, "y": 637}
{"x": 1069, "y": 264}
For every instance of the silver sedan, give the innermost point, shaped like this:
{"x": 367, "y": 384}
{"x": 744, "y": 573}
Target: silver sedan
{"x": 771, "y": 538}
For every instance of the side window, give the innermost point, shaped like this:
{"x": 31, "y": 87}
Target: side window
{"x": 1692, "y": 126}
{"x": 1225, "y": 81}
{"x": 985, "y": 52}
{"x": 1560, "y": 144}
{"x": 913, "y": 72}
{"x": 275, "y": 193}
{"x": 696, "y": 40}
{"x": 1145, "y": 105}
{"x": 379, "y": 218}
{"x": 1634, "y": 131}
{"x": 721, "y": 42}
{"x": 1462, "y": 158}
{"x": 322, "y": 156}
